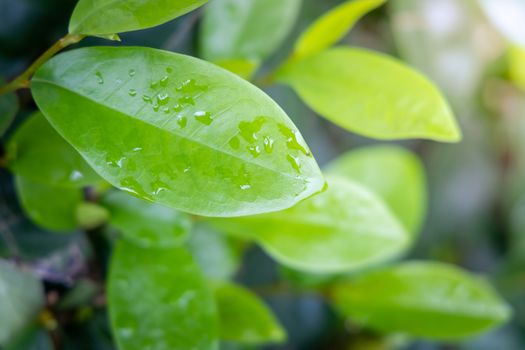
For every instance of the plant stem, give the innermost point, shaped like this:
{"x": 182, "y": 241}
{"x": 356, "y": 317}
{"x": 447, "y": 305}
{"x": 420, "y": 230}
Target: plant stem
{"x": 22, "y": 81}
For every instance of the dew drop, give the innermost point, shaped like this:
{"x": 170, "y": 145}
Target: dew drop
{"x": 163, "y": 99}
{"x": 166, "y": 110}
{"x": 157, "y": 187}
{"x": 100, "y": 78}
{"x": 182, "y": 121}
{"x": 292, "y": 140}
{"x": 132, "y": 92}
{"x": 132, "y": 72}
{"x": 186, "y": 100}
{"x": 255, "y": 151}
{"x": 203, "y": 117}
{"x": 186, "y": 170}
{"x": 268, "y": 144}
{"x": 146, "y": 98}
{"x": 294, "y": 162}
{"x": 234, "y": 142}
{"x": 169, "y": 70}
{"x": 249, "y": 130}
{"x": 164, "y": 81}
{"x": 245, "y": 187}
{"x": 156, "y": 107}
{"x": 154, "y": 84}
{"x": 177, "y": 108}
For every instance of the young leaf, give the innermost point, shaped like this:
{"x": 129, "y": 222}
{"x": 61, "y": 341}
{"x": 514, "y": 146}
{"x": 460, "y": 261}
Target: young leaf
{"x": 21, "y": 298}
{"x": 107, "y": 17}
{"x": 51, "y": 207}
{"x": 246, "y": 29}
{"x": 517, "y": 66}
{"x": 243, "y": 68}
{"x": 393, "y": 173}
{"x": 147, "y": 224}
{"x": 430, "y": 300}
{"x": 37, "y": 152}
{"x": 347, "y": 227}
{"x": 177, "y": 130}
{"x": 244, "y": 318}
{"x": 332, "y": 26}
{"x": 8, "y": 109}
{"x": 371, "y": 94}
{"x": 158, "y": 298}
{"x": 91, "y": 215}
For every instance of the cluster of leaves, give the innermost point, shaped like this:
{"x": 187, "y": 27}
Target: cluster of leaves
{"x": 195, "y": 142}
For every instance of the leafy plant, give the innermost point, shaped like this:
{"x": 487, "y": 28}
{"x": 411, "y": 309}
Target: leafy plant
{"x": 199, "y": 146}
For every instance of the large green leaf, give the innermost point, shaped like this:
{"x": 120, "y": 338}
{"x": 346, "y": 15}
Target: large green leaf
{"x": 147, "y": 224}
{"x": 52, "y": 207}
{"x": 177, "y": 130}
{"x": 371, "y": 94}
{"x": 246, "y": 29}
{"x": 244, "y": 318}
{"x": 158, "y": 299}
{"x": 105, "y": 17}
{"x": 403, "y": 189}
{"x": 37, "y": 152}
{"x": 8, "y": 109}
{"x": 347, "y": 227}
{"x": 423, "y": 299}
{"x": 21, "y": 298}
{"x": 332, "y": 26}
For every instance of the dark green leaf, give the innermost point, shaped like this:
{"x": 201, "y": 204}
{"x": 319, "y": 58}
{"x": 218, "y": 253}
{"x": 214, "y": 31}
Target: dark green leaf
{"x": 158, "y": 298}
{"x": 430, "y": 300}
{"x": 147, "y": 224}
{"x": 177, "y": 130}
{"x": 37, "y": 152}
{"x": 371, "y": 94}
{"x": 106, "y": 17}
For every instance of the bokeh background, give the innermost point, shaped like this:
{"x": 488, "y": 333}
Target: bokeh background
{"x": 476, "y": 209}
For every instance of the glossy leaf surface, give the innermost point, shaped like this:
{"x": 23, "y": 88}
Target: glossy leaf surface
{"x": 106, "y": 17}
{"x": 147, "y": 224}
{"x": 8, "y": 109}
{"x": 246, "y": 29}
{"x": 244, "y": 318}
{"x": 430, "y": 300}
{"x": 52, "y": 207}
{"x": 37, "y": 152}
{"x": 177, "y": 130}
{"x": 346, "y": 227}
{"x": 21, "y": 298}
{"x": 395, "y": 174}
{"x": 158, "y": 298}
{"x": 332, "y": 26}
{"x": 371, "y": 94}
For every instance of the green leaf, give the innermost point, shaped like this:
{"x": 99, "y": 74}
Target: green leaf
{"x": 423, "y": 299}
{"x": 246, "y": 29}
{"x": 371, "y": 94}
{"x": 177, "y": 130}
{"x": 107, "y": 17}
{"x": 347, "y": 227}
{"x": 517, "y": 66}
{"x": 244, "y": 318}
{"x": 91, "y": 215}
{"x": 8, "y": 110}
{"x": 37, "y": 152}
{"x": 52, "y": 207}
{"x": 147, "y": 224}
{"x": 158, "y": 298}
{"x": 402, "y": 188}
{"x": 21, "y": 298}
{"x": 332, "y": 26}
{"x": 243, "y": 68}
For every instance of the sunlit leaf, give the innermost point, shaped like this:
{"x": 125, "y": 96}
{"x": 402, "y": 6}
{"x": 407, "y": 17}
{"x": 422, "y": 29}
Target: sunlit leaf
{"x": 52, "y": 207}
{"x": 371, "y": 94}
{"x": 157, "y": 297}
{"x": 430, "y": 300}
{"x": 517, "y": 66}
{"x": 395, "y": 174}
{"x": 8, "y": 109}
{"x": 21, "y": 298}
{"x": 332, "y": 26}
{"x": 246, "y": 29}
{"x": 347, "y": 227}
{"x": 147, "y": 224}
{"x": 37, "y": 152}
{"x": 177, "y": 130}
{"x": 107, "y": 17}
{"x": 244, "y": 318}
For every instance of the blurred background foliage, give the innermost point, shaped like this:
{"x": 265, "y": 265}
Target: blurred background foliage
{"x": 476, "y": 209}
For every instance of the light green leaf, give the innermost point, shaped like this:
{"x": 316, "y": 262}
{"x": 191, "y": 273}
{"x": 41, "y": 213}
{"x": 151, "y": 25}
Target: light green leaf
{"x": 394, "y": 174}
{"x": 158, "y": 298}
{"x": 91, "y": 215}
{"x": 243, "y": 68}
{"x": 508, "y": 17}
{"x": 244, "y": 318}
{"x": 147, "y": 224}
{"x": 423, "y": 299}
{"x": 107, "y": 17}
{"x": 517, "y": 66}
{"x": 371, "y": 94}
{"x": 246, "y": 29}
{"x": 21, "y": 298}
{"x": 37, "y": 152}
{"x": 347, "y": 227}
{"x": 8, "y": 109}
{"x": 332, "y": 26}
{"x": 52, "y": 207}
{"x": 177, "y": 130}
